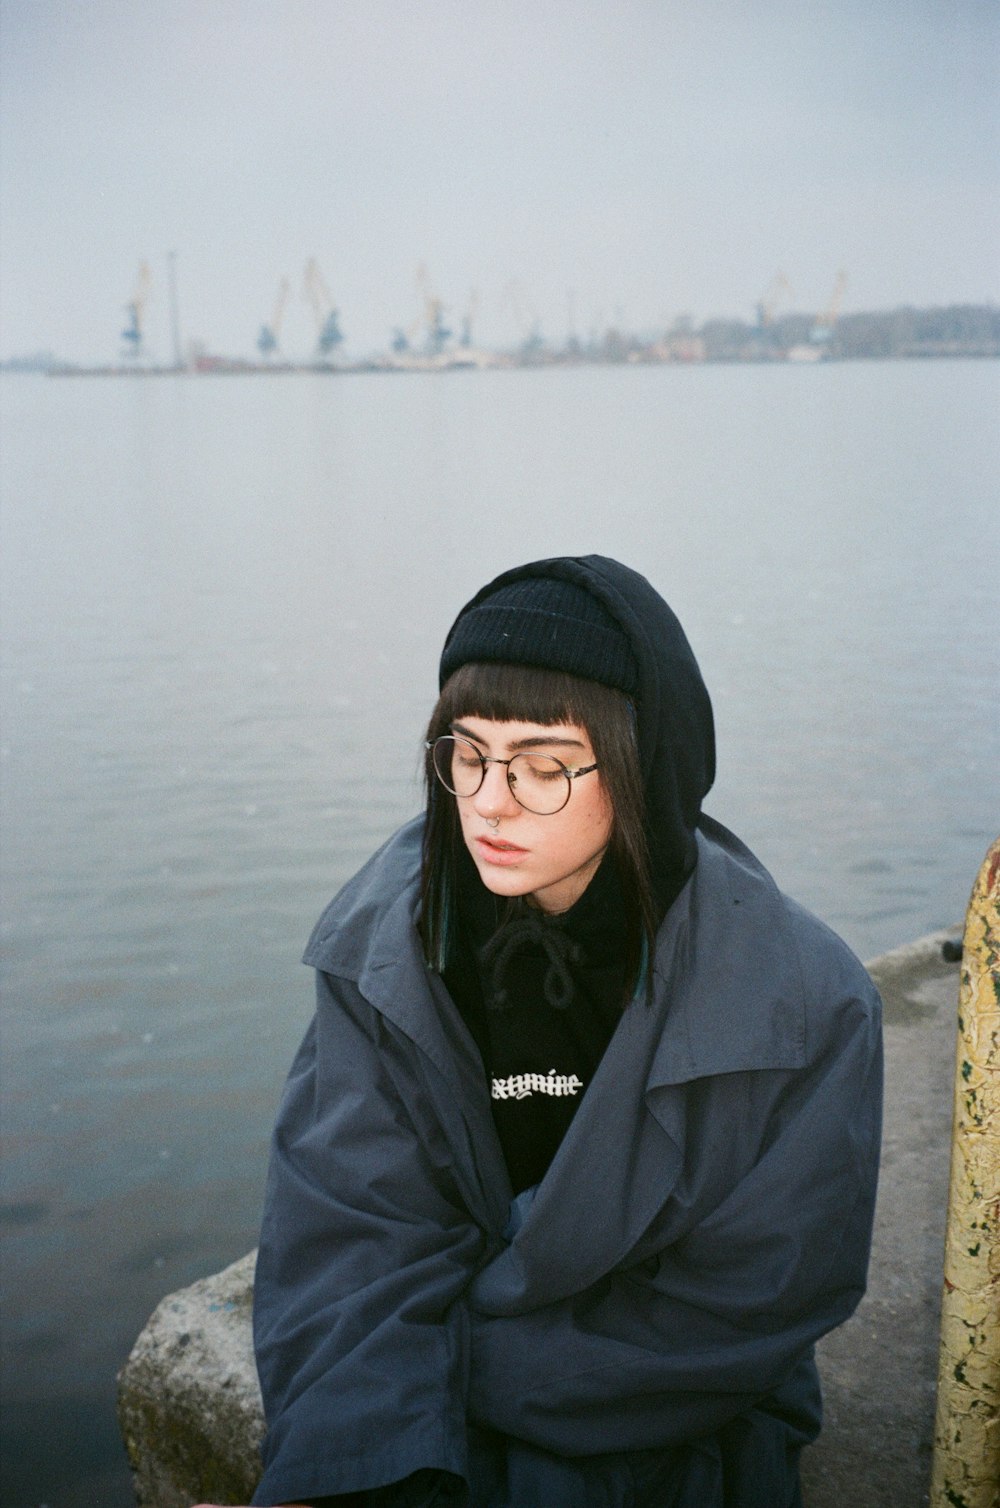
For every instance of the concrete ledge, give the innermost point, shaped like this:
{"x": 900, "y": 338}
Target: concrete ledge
{"x": 880, "y": 1369}
{"x": 190, "y": 1408}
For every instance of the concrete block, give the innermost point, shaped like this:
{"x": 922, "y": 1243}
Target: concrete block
{"x": 189, "y": 1403}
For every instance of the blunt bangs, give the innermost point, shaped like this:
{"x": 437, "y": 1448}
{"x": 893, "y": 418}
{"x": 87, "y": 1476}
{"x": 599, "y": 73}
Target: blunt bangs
{"x": 524, "y": 693}
{"x": 527, "y": 693}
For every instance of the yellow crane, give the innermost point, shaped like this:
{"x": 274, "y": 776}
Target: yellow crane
{"x": 437, "y": 333}
{"x": 270, "y": 334}
{"x": 778, "y": 289}
{"x": 134, "y": 331}
{"x": 471, "y": 310}
{"x": 823, "y": 328}
{"x": 525, "y": 317}
{"x": 327, "y": 316}
{"x": 431, "y": 320}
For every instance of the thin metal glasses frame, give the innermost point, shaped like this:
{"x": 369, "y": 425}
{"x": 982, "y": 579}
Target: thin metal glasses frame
{"x": 487, "y": 759}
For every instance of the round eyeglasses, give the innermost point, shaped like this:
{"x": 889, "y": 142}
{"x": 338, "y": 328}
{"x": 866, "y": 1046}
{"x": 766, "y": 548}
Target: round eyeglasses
{"x": 539, "y": 782}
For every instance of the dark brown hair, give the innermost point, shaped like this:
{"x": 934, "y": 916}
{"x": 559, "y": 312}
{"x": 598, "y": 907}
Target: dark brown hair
{"x": 527, "y": 694}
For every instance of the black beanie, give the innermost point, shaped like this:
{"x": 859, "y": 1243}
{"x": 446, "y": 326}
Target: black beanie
{"x": 547, "y": 622}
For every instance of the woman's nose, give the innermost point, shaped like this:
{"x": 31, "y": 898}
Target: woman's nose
{"x": 495, "y": 797}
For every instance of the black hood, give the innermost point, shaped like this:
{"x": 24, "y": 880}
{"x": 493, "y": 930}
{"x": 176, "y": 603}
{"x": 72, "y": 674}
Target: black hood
{"x": 674, "y": 714}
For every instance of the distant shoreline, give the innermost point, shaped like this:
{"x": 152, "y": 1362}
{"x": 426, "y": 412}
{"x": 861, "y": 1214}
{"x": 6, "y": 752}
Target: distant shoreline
{"x": 956, "y": 332}
{"x": 226, "y": 368}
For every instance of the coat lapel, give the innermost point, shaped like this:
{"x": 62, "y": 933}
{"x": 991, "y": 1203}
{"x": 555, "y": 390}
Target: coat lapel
{"x": 360, "y": 937}
{"x": 722, "y": 1004}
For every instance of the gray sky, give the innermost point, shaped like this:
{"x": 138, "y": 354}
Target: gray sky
{"x": 609, "y": 161}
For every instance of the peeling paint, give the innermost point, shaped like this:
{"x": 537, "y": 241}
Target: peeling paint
{"x": 966, "y": 1468}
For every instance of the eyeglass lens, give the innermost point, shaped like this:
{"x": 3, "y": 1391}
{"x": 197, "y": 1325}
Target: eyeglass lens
{"x": 539, "y": 782}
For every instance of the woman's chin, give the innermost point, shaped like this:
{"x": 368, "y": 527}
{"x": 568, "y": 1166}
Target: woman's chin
{"x": 503, "y": 882}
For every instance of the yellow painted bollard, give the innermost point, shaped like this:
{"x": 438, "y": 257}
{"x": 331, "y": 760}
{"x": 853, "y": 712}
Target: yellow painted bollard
{"x": 966, "y": 1469}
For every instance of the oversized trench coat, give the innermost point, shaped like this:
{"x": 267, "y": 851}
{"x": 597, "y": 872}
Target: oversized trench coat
{"x": 706, "y": 1218}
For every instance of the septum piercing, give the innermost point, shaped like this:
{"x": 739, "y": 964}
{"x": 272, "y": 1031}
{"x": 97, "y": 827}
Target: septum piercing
{"x": 493, "y": 822}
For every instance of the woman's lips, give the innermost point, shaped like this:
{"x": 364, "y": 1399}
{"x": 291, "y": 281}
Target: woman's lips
{"x": 496, "y": 851}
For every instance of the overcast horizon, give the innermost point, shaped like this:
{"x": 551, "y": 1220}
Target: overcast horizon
{"x": 574, "y": 164}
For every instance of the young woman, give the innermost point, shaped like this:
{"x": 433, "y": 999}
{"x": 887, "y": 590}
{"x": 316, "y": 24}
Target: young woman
{"x": 578, "y": 1157}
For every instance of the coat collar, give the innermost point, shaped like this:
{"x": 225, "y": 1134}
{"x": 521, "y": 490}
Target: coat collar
{"x": 368, "y": 935}
{"x": 722, "y": 1003}
{"x": 713, "y": 977}
{"x": 710, "y": 971}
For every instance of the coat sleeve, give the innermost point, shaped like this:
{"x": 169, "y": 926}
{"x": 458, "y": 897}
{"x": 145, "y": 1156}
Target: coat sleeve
{"x": 360, "y": 1330}
{"x": 720, "y": 1318}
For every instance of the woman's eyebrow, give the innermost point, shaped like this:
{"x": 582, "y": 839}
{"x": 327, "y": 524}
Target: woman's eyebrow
{"x": 533, "y": 741}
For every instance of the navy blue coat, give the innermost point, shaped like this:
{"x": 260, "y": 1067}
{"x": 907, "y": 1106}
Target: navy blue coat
{"x": 706, "y": 1218}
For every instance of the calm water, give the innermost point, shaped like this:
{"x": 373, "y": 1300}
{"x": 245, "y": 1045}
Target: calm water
{"x": 223, "y": 602}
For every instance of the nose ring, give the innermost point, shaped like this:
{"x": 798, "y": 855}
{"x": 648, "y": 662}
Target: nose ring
{"x": 493, "y": 822}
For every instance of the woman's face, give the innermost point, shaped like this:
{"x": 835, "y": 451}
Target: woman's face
{"x": 551, "y": 858}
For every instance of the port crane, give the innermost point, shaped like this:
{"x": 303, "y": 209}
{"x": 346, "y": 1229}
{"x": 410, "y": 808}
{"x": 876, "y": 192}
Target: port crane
{"x": 471, "y": 310}
{"x": 431, "y": 320}
{"x": 134, "y": 331}
{"x": 525, "y": 317}
{"x": 437, "y": 332}
{"x": 270, "y": 334}
{"x": 402, "y": 339}
{"x": 328, "y": 332}
{"x": 823, "y": 328}
{"x": 779, "y": 288}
